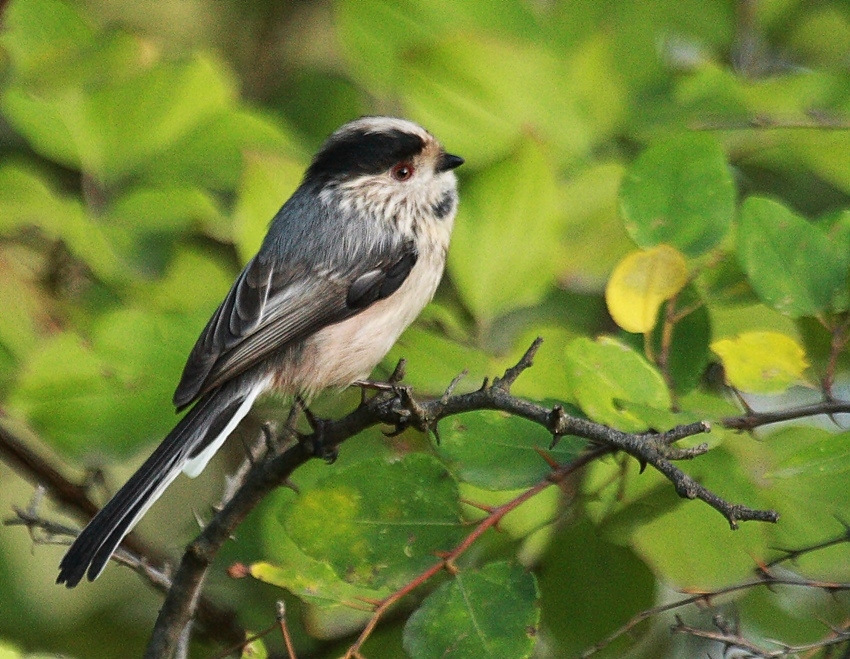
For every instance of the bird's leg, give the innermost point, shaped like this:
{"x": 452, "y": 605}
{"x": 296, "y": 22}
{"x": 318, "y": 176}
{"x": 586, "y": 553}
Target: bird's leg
{"x": 317, "y": 448}
{"x": 391, "y": 385}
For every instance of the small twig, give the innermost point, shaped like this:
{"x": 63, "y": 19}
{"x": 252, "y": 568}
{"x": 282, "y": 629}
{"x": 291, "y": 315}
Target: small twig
{"x": 734, "y": 640}
{"x": 764, "y": 579}
{"x": 284, "y": 629}
{"x": 217, "y": 622}
{"x": 525, "y": 362}
{"x": 794, "y": 554}
{"x": 813, "y": 120}
{"x": 752, "y": 419}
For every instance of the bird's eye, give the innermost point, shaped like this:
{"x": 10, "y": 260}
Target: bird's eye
{"x": 402, "y": 171}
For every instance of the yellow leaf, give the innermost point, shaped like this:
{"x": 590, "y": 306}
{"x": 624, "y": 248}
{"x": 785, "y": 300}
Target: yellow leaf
{"x": 761, "y": 362}
{"x": 641, "y": 282}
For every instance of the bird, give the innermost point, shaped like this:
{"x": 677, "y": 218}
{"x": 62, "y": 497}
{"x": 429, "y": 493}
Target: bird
{"x": 348, "y": 263}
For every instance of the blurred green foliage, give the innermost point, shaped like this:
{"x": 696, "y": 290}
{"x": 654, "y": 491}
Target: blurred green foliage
{"x": 144, "y": 148}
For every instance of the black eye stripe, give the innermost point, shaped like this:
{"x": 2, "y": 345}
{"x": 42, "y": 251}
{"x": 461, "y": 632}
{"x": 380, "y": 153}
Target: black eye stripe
{"x": 359, "y": 153}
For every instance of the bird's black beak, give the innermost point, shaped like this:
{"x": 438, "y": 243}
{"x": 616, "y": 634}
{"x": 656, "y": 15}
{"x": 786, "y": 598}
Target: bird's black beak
{"x": 448, "y": 161}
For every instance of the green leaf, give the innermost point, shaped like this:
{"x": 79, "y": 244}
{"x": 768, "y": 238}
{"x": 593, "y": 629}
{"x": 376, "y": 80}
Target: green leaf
{"x": 805, "y": 480}
{"x": 417, "y": 346}
{"x": 575, "y": 615}
{"x": 255, "y": 649}
{"x": 589, "y": 202}
{"x": 725, "y": 283}
{"x": 497, "y": 451}
{"x": 212, "y": 153}
{"x": 378, "y": 522}
{"x": 501, "y": 256}
{"x": 837, "y": 227}
{"x": 145, "y": 223}
{"x": 9, "y": 652}
{"x": 377, "y": 35}
{"x": 643, "y": 510}
{"x": 680, "y": 192}
{"x": 791, "y": 263}
{"x": 193, "y": 284}
{"x": 109, "y": 393}
{"x": 532, "y": 515}
{"x": 612, "y": 382}
{"x": 486, "y": 613}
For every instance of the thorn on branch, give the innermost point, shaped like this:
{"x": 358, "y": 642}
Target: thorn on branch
{"x": 398, "y": 372}
{"x": 548, "y": 459}
{"x": 506, "y": 381}
{"x": 452, "y": 386}
{"x": 479, "y": 506}
{"x": 557, "y": 424}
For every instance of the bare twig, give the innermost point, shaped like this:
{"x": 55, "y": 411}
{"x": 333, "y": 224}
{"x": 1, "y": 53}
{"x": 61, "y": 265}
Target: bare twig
{"x": 733, "y": 640}
{"x": 214, "y": 621}
{"x": 706, "y": 598}
{"x": 752, "y": 419}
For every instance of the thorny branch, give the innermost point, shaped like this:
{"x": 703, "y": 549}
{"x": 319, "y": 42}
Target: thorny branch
{"x": 398, "y": 408}
{"x": 394, "y": 405}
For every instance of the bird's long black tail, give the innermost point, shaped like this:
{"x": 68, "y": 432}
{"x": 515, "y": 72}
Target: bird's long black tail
{"x": 205, "y": 427}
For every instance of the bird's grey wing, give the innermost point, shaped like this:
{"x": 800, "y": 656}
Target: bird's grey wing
{"x": 273, "y": 304}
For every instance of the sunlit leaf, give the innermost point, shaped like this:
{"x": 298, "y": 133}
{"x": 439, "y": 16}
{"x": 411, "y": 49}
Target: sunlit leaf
{"x": 378, "y": 34}
{"x": 608, "y": 376}
{"x": 491, "y": 612}
{"x": 641, "y": 282}
{"x": 114, "y": 129}
{"x": 39, "y": 33}
{"x": 255, "y": 649}
{"x": 762, "y": 362}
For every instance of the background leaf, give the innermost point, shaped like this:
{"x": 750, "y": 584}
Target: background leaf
{"x": 679, "y": 191}
{"x": 790, "y": 263}
{"x": 761, "y": 362}
{"x": 512, "y": 204}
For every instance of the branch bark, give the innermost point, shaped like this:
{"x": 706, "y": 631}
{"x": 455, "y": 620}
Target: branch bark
{"x": 398, "y": 408}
